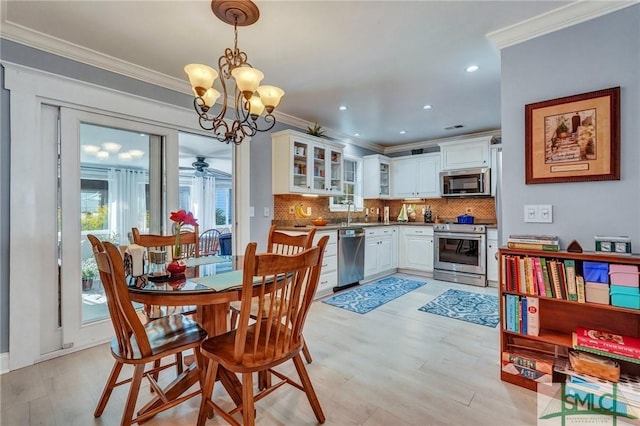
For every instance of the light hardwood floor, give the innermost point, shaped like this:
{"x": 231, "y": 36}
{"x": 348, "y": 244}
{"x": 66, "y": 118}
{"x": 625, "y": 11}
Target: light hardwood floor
{"x": 392, "y": 366}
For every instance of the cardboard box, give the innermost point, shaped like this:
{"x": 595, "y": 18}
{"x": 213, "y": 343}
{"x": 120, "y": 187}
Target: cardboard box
{"x": 597, "y": 293}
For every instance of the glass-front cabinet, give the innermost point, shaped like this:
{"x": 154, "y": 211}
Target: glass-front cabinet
{"x": 377, "y": 175}
{"x": 305, "y": 164}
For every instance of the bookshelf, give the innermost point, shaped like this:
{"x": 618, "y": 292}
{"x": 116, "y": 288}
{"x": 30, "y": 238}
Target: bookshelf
{"x": 559, "y": 318}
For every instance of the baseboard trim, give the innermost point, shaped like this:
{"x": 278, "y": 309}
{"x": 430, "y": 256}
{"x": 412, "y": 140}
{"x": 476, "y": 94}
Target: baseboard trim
{"x": 4, "y": 362}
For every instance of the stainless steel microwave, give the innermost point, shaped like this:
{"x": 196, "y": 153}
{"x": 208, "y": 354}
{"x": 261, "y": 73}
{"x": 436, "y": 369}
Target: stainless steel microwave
{"x": 466, "y": 182}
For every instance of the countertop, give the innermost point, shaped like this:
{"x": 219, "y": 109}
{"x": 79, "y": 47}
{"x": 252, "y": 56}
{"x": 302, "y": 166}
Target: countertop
{"x": 335, "y": 226}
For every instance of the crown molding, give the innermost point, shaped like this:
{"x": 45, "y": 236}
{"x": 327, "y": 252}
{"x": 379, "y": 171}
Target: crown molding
{"x": 435, "y": 142}
{"x": 554, "y": 20}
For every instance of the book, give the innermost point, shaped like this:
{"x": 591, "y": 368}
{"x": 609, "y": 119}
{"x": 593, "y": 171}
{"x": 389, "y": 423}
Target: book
{"x": 606, "y": 343}
{"x": 515, "y": 237}
{"x": 531, "y": 286}
{"x": 533, "y": 316}
{"x": 518, "y": 370}
{"x": 523, "y": 315}
{"x": 563, "y": 279}
{"x": 580, "y": 289}
{"x": 570, "y": 270}
{"x": 529, "y": 359}
{"x": 532, "y": 246}
{"x": 522, "y": 279}
{"x": 545, "y": 277}
{"x": 537, "y": 270}
{"x": 555, "y": 279}
{"x": 511, "y": 312}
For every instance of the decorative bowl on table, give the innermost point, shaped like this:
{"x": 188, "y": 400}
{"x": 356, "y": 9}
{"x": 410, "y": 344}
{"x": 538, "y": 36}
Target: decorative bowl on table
{"x": 319, "y": 221}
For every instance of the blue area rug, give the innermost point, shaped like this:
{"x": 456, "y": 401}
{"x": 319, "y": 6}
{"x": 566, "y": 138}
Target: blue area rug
{"x": 471, "y": 307}
{"x": 369, "y": 296}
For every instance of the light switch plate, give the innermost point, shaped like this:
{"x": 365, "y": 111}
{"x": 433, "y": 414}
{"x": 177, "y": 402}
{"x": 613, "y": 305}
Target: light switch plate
{"x": 545, "y": 213}
{"x": 530, "y": 213}
{"x": 266, "y": 212}
{"x": 252, "y": 211}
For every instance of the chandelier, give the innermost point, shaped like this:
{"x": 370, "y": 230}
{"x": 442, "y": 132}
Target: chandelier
{"x": 249, "y": 106}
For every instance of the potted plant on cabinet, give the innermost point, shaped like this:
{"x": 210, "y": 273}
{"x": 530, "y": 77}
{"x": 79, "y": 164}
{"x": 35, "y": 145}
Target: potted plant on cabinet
{"x": 89, "y": 272}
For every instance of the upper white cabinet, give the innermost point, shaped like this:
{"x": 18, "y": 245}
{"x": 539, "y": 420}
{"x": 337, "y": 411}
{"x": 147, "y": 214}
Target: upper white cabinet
{"x": 302, "y": 163}
{"x": 377, "y": 176}
{"x": 465, "y": 154}
{"x": 416, "y": 176}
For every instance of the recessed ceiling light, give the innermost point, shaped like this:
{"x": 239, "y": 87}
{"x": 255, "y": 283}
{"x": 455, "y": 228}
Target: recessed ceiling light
{"x": 342, "y": 108}
{"x": 426, "y": 107}
{"x": 472, "y": 68}
{"x": 403, "y": 132}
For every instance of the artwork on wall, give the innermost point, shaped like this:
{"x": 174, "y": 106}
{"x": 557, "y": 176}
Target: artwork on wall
{"x": 574, "y": 138}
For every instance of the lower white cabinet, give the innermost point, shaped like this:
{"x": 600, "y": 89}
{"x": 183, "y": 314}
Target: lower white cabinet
{"x": 416, "y": 248}
{"x": 492, "y": 257}
{"x": 381, "y": 250}
{"x": 329, "y": 271}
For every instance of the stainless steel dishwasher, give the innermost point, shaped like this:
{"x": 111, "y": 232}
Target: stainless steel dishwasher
{"x": 350, "y": 257}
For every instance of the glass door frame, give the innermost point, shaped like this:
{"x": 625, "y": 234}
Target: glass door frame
{"x": 74, "y": 332}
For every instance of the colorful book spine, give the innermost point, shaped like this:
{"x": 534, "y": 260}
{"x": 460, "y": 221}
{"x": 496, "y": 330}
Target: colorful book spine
{"x": 528, "y": 361}
{"x": 608, "y": 343}
{"x": 545, "y": 277}
{"x": 522, "y": 276}
{"x": 555, "y": 279}
{"x": 511, "y": 312}
{"x": 528, "y": 237}
{"x": 537, "y": 269}
{"x": 580, "y": 289}
{"x": 532, "y": 246}
{"x": 533, "y": 316}
{"x": 527, "y": 373}
{"x": 570, "y": 270}
{"x": 523, "y": 315}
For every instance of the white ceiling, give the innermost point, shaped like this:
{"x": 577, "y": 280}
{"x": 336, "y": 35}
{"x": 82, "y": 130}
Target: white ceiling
{"x": 384, "y": 60}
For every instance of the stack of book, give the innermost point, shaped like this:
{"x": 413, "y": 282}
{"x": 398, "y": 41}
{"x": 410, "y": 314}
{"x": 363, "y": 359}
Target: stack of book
{"x": 528, "y": 364}
{"x": 534, "y": 242}
{"x": 521, "y": 314}
{"x": 607, "y": 344}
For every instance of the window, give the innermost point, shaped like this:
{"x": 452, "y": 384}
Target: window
{"x": 351, "y": 187}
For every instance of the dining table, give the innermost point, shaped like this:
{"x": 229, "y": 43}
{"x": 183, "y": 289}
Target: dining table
{"x": 209, "y": 283}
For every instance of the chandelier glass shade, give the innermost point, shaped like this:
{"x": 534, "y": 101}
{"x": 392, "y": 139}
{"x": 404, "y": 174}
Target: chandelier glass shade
{"x": 253, "y": 104}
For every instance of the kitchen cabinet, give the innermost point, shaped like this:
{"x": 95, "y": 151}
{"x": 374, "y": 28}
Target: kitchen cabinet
{"x": 381, "y": 251}
{"x": 376, "y": 176}
{"x": 492, "y": 257}
{"x": 416, "y": 176}
{"x": 305, "y": 164}
{"x": 465, "y": 154}
{"x": 416, "y": 248}
{"x": 329, "y": 272}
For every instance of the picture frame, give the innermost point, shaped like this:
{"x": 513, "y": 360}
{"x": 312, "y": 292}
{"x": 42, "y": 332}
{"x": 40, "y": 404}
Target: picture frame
{"x": 573, "y": 138}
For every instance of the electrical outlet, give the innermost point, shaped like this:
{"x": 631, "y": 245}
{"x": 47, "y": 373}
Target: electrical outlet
{"x": 266, "y": 212}
{"x": 545, "y": 212}
{"x": 308, "y": 211}
{"x": 292, "y": 209}
{"x": 530, "y": 213}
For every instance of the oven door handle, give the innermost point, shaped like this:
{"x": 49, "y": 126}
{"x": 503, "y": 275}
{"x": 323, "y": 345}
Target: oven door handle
{"x": 459, "y": 235}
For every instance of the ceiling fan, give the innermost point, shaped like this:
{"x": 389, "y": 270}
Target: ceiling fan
{"x": 201, "y": 168}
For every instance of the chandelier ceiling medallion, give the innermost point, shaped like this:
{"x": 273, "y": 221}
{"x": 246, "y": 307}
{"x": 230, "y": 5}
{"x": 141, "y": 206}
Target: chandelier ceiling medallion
{"x": 249, "y": 106}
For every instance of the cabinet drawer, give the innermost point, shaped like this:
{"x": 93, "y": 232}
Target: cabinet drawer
{"x": 330, "y": 250}
{"x": 418, "y": 230}
{"x": 326, "y": 283}
{"x": 378, "y": 232}
{"x": 329, "y": 263}
{"x": 333, "y": 237}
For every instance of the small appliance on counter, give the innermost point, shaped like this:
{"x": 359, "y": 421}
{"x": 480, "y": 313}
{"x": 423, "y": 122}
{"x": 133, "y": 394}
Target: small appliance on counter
{"x": 428, "y": 215}
{"x": 466, "y": 219}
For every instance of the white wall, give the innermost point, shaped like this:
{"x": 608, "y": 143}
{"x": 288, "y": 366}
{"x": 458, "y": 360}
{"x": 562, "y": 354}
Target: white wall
{"x": 598, "y": 54}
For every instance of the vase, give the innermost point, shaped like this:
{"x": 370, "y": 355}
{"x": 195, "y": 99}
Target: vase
{"x": 176, "y": 266}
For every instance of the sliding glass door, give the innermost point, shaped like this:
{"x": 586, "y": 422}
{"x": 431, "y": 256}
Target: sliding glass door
{"x": 111, "y": 179}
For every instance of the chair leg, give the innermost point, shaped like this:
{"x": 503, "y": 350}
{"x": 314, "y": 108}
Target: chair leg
{"x": 132, "y": 398}
{"x": 308, "y": 388}
{"x": 156, "y": 364}
{"x": 108, "y": 388}
{"x": 305, "y": 352}
{"x": 207, "y": 392}
{"x": 179, "y": 366}
{"x": 248, "y": 410}
{"x": 233, "y": 319}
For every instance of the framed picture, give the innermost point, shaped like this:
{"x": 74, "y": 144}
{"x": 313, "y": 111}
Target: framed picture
{"x": 573, "y": 139}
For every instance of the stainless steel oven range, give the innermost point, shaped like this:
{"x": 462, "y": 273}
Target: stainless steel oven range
{"x": 460, "y": 253}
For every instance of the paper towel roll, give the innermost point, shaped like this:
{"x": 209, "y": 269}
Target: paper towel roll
{"x": 137, "y": 259}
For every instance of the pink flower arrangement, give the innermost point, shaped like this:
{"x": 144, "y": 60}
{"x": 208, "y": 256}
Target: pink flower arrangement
{"x": 181, "y": 217}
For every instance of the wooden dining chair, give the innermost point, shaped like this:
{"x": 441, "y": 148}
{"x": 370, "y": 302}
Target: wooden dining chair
{"x": 275, "y": 337}
{"x": 139, "y": 344}
{"x": 280, "y": 243}
{"x": 189, "y": 241}
{"x": 209, "y": 242}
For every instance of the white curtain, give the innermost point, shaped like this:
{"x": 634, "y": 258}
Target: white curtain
{"x": 203, "y": 204}
{"x": 127, "y": 202}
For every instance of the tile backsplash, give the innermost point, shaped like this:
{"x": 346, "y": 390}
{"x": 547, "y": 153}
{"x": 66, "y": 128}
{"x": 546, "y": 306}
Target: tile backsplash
{"x": 446, "y": 209}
